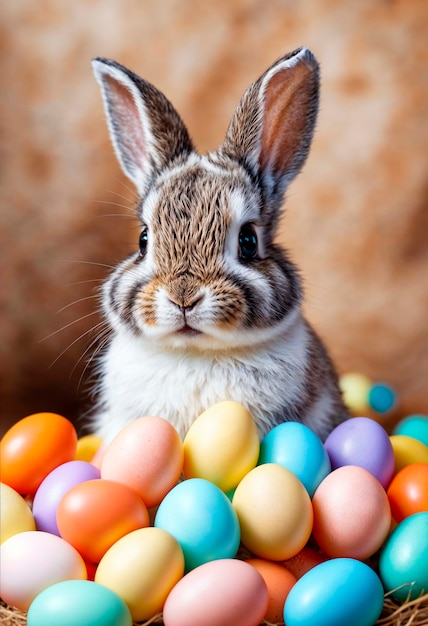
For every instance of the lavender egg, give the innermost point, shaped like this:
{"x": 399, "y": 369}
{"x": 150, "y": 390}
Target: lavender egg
{"x": 54, "y": 487}
{"x": 362, "y": 441}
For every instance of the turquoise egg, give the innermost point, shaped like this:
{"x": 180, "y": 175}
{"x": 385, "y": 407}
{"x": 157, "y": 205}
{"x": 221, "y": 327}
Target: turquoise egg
{"x": 297, "y": 448}
{"x": 381, "y": 398}
{"x": 415, "y": 426}
{"x": 201, "y": 518}
{"x": 78, "y": 603}
{"x": 338, "y": 592}
{"x": 404, "y": 558}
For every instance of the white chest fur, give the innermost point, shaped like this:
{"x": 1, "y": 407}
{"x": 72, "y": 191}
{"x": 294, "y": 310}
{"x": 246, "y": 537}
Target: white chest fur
{"x": 139, "y": 378}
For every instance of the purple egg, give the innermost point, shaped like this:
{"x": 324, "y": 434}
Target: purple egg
{"x": 362, "y": 441}
{"x": 54, "y": 487}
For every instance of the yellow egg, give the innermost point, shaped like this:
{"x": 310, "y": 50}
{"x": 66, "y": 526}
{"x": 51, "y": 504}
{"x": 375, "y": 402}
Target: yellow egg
{"x": 355, "y": 389}
{"x": 15, "y": 514}
{"x": 407, "y": 451}
{"x": 222, "y": 445}
{"x": 87, "y": 446}
{"x": 274, "y": 511}
{"x": 142, "y": 567}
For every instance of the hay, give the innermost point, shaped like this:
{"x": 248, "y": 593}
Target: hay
{"x": 411, "y": 613}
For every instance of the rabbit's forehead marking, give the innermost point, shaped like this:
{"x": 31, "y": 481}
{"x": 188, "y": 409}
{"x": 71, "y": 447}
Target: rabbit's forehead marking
{"x": 190, "y": 221}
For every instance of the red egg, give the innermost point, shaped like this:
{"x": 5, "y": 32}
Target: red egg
{"x": 408, "y": 491}
{"x": 33, "y": 447}
{"x": 94, "y": 514}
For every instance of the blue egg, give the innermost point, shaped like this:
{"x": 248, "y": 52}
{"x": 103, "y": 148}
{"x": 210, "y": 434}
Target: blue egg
{"x": 201, "y": 518}
{"x": 415, "y": 426}
{"x": 297, "y": 448}
{"x": 381, "y": 398}
{"x": 339, "y": 592}
{"x": 403, "y": 561}
{"x": 78, "y": 603}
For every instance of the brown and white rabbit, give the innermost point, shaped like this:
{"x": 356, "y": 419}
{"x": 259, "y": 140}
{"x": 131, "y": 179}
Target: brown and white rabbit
{"x": 208, "y": 308}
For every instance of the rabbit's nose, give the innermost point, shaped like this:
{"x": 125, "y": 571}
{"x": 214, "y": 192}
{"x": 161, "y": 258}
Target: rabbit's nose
{"x": 186, "y": 304}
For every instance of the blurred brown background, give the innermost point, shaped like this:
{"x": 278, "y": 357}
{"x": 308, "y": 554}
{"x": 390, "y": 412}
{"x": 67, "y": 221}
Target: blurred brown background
{"x": 357, "y": 218}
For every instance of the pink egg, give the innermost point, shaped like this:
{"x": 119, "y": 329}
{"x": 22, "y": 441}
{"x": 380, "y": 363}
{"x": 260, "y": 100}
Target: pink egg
{"x": 352, "y": 516}
{"x": 147, "y": 455}
{"x": 34, "y": 560}
{"x": 226, "y": 592}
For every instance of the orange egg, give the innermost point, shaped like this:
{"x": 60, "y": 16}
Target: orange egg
{"x": 94, "y": 514}
{"x": 33, "y": 447}
{"x": 408, "y": 491}
{"x": 303, "y": 561}
{"x": 146, "y": 455}
{"x": 278, "y": 582}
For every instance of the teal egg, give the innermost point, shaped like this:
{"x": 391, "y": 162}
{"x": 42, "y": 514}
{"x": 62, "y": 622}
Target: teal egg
{"x": 404, "y": 558}
{"x": 381, "y": 398}
{"x": 297, "y": 448}
{"x": 415, "y": 426}
{"x": 78, "y": 603}
{"x": 200, "y": 516}
{"x": 338, "y": 592}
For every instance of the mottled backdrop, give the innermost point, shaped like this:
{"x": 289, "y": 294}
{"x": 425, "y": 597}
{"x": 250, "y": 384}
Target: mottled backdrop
{"x": 356, "y": 219}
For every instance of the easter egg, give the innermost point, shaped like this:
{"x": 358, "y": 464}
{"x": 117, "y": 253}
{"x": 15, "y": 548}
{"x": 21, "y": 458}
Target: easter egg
{"x": 338, "y": 592}
{"x": 201, "y": 518}
{"x": 278, "y": 581}
{"x": 87, "y": 447}
{"x": 408, "y": 491}
{"x": 415, "y": 426}
{"x": 352, "y": 516}
{"x": 54, "y": 487}
{"x": 299, "y": 449}
{"x": 15, "y": 514}
{"x": 408, "y": 450}
{"x": 146, "y": 455}
{"x": 33, "y": 447}
{"x": 78, "y": 603}
{"x": 362, "y": 441}
{"x": 222, "y": 445}
{"x": 32, "y": 561}
{"x": 227, "y": 592}
{"x": 303, "y": 561}
{"x": 274, "y": 512}
{"x": 355, "y": 389}
{"x": 142, "y": 567}
{"x": 403, "y": 562}
{"x": 94, "y": 514}
{"x": 381, "y": 398}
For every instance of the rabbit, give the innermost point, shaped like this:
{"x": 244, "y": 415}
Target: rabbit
{"x": 208, "y": 307}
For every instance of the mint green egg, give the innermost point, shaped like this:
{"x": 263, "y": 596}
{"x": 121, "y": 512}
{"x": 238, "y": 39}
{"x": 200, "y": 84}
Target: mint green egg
{"x": 78, "y": 603}
{"x": 415, "y": 426}
{"x": 403, "y": 562}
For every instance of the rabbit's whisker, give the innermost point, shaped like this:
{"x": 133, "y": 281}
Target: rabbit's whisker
{"x": 79, "y": 319}
{"x": 77, "y": 302}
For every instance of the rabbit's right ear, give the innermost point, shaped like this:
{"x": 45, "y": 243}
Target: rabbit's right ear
{"x": 146, "y": 131}
{"x": 272, "y": 127}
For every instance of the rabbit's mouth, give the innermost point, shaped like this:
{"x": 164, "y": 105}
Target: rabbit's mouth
{"x": 188, "y": 331}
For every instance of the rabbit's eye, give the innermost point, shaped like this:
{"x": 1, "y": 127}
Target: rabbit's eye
{"x": 247, "y": 242}
{"x": 143, "y": 242}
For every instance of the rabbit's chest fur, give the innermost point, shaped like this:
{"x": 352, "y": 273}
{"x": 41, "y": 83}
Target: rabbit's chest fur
{"x": 140, "y": 378}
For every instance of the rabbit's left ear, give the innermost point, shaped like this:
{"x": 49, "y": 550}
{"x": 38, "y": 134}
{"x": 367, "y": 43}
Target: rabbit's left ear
{"x": 271, "y": 130}
{"x": 146, "y": 131}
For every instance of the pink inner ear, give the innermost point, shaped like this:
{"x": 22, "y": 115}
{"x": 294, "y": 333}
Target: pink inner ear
{"x": 129, "y": 124}
{"x": 285, "y": 118}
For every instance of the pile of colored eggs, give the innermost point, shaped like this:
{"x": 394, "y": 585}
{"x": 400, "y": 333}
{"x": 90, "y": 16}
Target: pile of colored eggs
{"x": 151, "y": 523}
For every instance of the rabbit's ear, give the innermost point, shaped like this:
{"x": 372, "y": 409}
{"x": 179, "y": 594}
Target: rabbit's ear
{"x": 271, "y": 130}
{"x": 146, "y": 131}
